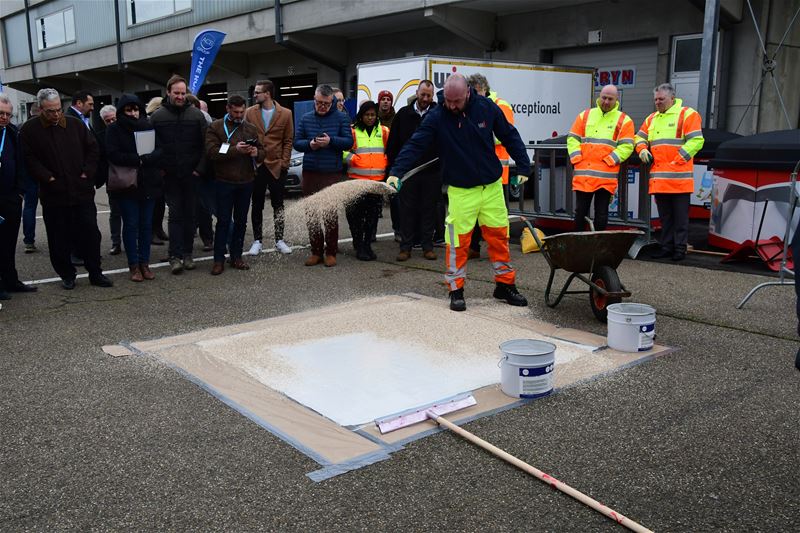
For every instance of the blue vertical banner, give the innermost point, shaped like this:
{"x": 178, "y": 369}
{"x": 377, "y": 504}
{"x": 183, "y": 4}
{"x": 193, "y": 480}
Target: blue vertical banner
{"x": 206, "y": 45}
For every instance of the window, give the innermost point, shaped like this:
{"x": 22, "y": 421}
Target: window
{"x": 56, "y": 29}
{"x": 140, "y": 11}
{"x": 686, "y": 54}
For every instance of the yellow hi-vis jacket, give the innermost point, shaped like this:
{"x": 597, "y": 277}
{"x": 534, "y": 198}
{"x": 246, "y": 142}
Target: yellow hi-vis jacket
{"x": 597, "y": 144}
{"x": 366, "y": 160}
{"x": 673, "y": 137}
{"x": 500, "y": 150}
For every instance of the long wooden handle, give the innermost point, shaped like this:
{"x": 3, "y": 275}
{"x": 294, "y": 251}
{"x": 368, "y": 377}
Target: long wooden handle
{"x": 550, "y": 480}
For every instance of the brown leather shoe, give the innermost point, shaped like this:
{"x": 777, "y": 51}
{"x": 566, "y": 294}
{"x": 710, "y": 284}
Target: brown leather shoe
{"x": 136, "y": 274}
{"x": 473, "y": 254}
{"x": 313, "y": 260}
{"x": 330, "y": 260}
{"x": 217, "y": 268}
{"x": 430, "y": 255}
{"x": 404, "y": 255}
{"x": 238, "y": 264}
{"x": 146, "y": 272}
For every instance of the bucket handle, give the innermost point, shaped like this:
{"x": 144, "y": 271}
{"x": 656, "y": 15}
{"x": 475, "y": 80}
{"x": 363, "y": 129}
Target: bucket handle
{"x": 500, "y": 362}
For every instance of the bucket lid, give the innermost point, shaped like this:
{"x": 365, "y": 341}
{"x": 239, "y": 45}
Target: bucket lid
{"x": 527, "y": 347}
{"x": 631, "y": 309}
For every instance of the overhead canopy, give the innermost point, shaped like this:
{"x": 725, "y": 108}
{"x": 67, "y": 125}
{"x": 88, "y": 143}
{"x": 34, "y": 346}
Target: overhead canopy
{"x": 774, "y": 150}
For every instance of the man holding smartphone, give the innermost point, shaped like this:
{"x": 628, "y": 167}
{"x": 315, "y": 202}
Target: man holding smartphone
{"x": 323, "y": 134}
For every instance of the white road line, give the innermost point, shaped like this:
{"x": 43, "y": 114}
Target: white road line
{"x": 166, "y": 264}
{"x": 99, "y": 213}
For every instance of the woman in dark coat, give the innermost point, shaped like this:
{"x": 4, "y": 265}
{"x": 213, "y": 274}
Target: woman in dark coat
{"x": 137, "y": 203}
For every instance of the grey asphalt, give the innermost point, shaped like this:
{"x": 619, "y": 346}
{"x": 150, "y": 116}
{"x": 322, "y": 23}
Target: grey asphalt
{"x": 706, "y": 438}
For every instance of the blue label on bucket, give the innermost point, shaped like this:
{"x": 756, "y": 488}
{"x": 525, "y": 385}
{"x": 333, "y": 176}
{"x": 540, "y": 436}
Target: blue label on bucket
{"x": 646, "y": 334}
{"x": 535, "y": 371}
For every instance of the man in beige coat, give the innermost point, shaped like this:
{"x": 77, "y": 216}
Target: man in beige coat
{"x": 275, "y": 134}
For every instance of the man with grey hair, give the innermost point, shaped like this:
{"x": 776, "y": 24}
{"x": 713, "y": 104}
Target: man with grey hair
{"x": 12, "y": 177}
{"x": 61, "y": 154}
{"x": 323, "y": 134}
{"x": 108, "y": 113}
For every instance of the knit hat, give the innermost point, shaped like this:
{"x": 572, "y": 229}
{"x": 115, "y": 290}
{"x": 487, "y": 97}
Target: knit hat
{"x": 385, "y": 93}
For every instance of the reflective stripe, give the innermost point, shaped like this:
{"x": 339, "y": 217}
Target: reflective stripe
{"x": 681, "y": 175}
{"x": 643, "y": 143}
{"x": 597, "y": 140}
{"x": 684, "y": 154}
{"x": 452, "y": 271}
{"x": 642, "y": 134}
{"x": 575, "y": 153}
{"x": 348, "y": 158}
{"x": 571, "y": 135}
{"x": 501, "y": 267}
{"x": 504, "y": 162}
{"x": 615, "y": 157}
{"x": 693, "y": 134}
{"x": 368, "y": 150}
{"x": 595, "y": 174}
{"x": 624, "y": 141}
{"x": 672, "y": 142}
{"x": 366, "y": 171}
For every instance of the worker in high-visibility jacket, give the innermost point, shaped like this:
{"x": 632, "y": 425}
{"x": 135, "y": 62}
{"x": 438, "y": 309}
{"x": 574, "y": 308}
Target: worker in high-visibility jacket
{"x": 600, "y": 139}
{"x": 669, "y": 139}
{"x": 481, "y": 85}
{"x": 463, "y": 128}
{"x": 366, "y": 160}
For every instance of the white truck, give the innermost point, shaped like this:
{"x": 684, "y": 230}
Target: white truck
{"x": 545, "y": 98}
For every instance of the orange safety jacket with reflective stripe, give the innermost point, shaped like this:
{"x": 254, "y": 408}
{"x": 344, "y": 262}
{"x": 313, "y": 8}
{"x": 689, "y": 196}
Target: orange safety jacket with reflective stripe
{"x": 597, "y": 144}
{"x": 500, "y": 150}
{"x": 366, "y": 160}
{"x": 673, "y": 138}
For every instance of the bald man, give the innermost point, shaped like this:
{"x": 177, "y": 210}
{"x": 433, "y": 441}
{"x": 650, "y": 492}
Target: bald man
{"x": 464, "y": 129}
{"x": 599, "y": 140}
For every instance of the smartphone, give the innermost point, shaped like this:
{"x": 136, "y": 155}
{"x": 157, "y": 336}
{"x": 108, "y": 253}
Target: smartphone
{"x": 251, "y": 142}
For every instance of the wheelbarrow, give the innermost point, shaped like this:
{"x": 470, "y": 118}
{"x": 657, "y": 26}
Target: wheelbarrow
{"x": 593, "y": 258}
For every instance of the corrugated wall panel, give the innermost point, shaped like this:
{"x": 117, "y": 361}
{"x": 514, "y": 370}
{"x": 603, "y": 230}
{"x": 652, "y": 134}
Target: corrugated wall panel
{"x": 94, "y": 26}
{"x": 16, "y": 40}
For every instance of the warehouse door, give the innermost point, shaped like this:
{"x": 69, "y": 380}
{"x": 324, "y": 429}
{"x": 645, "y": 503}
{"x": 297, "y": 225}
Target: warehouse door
{"x": 630, "y": 66}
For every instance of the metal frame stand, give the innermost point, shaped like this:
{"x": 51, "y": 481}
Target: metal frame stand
{"x": 784, "y": 269}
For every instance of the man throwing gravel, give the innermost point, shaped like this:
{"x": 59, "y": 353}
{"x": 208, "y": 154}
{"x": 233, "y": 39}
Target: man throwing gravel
{"x": 464, "y": 129}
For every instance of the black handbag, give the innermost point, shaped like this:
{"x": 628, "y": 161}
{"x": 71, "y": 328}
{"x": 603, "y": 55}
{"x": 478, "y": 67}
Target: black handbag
{"x": 121, "y": 178}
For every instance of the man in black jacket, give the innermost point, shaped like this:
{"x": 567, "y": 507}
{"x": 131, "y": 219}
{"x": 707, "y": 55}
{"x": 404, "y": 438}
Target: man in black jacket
{"x": 180, "y": 134}
{"x": 418, "y": 196}
{"x": 12, "y": 176}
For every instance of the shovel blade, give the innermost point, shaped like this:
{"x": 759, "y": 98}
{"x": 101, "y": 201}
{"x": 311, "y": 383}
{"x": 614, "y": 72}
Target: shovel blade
{"x": 420, "y": 414}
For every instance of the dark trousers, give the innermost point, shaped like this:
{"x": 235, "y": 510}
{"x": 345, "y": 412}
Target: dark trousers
{"x": 418, "y": 210}
{"x": 233, "y": 201}
{"x": 362, "y": 217}
{"x": 11, "y": 211}
{"x": 181, "y": 194}
{"x": 394, "y": 213}
{"x": 137, "y": 228}
{"x": 583, "y": 201}
{"x": 314, "y": 182}
{"x": 206, "y": 206}
{"x": 68, "y": 226}
{"x": 673, "y": 210}
{"x": 441, "y": 215}
{"x": 277, "y": 191}
{"x": 158, "y": 214}
{"x": 29, "y": 211}
{"x": 115, "y": 220}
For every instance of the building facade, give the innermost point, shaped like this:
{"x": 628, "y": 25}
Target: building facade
{"x": 115, "y": 46}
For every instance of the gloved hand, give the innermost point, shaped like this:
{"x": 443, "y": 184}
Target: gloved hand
{"x": 394, "y": 181}
{"x": 608, "y": 160}
{"x": 518, "y": 180}
{"x": 645, "y": 156}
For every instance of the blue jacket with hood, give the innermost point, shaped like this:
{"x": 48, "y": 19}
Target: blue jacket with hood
{"x": 337, "y": 125}
{"x": 466, "y": 143}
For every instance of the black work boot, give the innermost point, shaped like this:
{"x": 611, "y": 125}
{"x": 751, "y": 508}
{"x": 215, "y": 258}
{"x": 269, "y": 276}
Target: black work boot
{"x": 509, "y": 293}
{"x": 457, "y": 302}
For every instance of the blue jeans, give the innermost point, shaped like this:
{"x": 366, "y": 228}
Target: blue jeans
{"x": 233, "y": 201}
{"x": 29, "y": 211}
{"x": 137, "y": 228}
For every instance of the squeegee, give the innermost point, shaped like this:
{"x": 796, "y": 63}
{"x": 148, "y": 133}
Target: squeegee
{"x": 436, "y": 412}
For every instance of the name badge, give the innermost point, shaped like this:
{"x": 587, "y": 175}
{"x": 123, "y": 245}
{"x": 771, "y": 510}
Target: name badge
{"x": 223, "y": 149}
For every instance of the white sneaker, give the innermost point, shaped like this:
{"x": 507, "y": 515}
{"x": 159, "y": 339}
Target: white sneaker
{"x": 256, "y": 248}
{"x": 282, "y": 247}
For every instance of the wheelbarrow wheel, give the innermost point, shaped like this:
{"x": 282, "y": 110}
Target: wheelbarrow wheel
{"x": 607, "y": 278}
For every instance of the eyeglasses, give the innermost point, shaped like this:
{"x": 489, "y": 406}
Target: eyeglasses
{"x": 322, "y": 103}
{"x": 5, "y": 114}
{"x": 52, "y": 111}
{"x": 259, "y": 92}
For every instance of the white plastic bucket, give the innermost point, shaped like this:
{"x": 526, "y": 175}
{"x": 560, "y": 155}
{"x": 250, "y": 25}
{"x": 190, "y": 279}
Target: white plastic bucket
{"x": 526, "y": 369}
{"x": 631, "y": 327}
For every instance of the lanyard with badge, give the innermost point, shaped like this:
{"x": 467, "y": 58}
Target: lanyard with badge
{"x": 223, "y": 149}
{"x": 3, "y": 144}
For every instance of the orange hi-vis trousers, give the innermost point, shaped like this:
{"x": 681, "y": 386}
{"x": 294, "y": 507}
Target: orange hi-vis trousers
{"x": 486, "y": 204}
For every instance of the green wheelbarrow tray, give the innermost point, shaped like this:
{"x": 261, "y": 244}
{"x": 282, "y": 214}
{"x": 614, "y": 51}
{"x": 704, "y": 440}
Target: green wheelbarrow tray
{"x": 592, "y": 257}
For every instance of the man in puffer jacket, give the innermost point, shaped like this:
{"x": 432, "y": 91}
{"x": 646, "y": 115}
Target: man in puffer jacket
{"x": 323, "y": 134}
{"x": 464, "y": 128}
